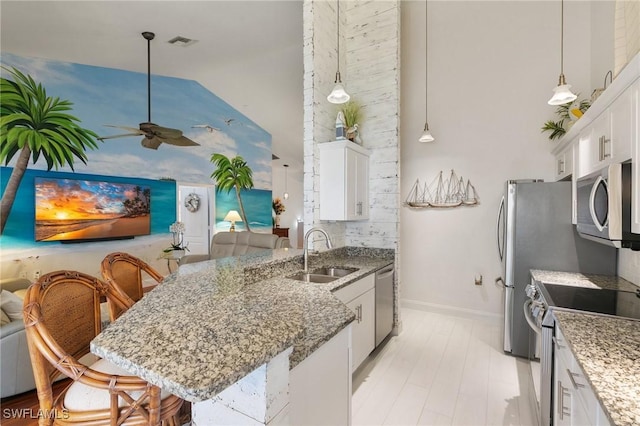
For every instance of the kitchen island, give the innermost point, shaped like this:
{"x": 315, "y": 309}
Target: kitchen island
{"x": 211, "y": 324}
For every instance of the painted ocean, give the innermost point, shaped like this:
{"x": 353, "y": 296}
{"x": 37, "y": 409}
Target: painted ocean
{"x": 257, "y": 206}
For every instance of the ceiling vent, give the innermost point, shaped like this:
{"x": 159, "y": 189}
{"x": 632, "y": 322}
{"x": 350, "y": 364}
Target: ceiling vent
{"x": 182, "y": 41}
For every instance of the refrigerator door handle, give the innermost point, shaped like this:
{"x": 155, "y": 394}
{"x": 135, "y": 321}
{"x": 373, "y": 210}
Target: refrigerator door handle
{"x": 498, "y": 222}
{"x": 508, "y": 315}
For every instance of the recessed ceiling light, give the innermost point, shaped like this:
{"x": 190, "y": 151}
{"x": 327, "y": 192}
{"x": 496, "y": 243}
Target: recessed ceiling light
{"x": 182, "y": 41}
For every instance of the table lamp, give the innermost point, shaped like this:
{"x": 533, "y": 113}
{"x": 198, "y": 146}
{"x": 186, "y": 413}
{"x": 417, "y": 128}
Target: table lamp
{"x": 233, "y": 217}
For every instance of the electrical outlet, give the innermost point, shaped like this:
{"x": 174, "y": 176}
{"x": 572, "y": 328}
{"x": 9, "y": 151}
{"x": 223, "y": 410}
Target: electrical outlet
{"x": 36, "y": 275}
{"x": 477, "y": 280}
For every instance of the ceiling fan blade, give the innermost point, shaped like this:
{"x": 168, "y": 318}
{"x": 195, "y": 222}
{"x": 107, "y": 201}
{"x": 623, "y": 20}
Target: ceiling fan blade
{"x": 163, "y": 132}
{"x": 102, "y": 138}
{"x": 151, "y": 143}
{"x": 131, "y": 129}
{"x": 181, "y": 141}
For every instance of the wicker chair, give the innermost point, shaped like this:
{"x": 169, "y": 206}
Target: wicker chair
{"x": 124, "y": 272}
{"x": 62, "y": 316}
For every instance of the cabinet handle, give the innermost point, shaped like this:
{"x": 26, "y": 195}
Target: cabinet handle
{"x": 359, "y": 313}
{"x": 573, "y": 380}
{"x": 560, "y": 167}
{"x": 359, "y": 208}
{"x": 562, "y": 410}
{"x": 600, "y": 148}
{"x": 557, "y": 342}
{"x": 605, "y": 141}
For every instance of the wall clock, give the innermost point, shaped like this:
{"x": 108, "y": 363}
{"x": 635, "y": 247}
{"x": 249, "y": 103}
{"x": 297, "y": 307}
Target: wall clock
{"x": 192, "y": 202}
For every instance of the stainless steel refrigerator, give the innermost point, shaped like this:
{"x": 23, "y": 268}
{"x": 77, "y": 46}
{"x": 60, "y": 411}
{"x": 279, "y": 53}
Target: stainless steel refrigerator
{"x": 534, "y": 231}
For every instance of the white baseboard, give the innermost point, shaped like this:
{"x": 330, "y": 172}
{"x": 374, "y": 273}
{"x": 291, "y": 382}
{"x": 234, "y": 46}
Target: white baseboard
{"x": 451, "y": 310}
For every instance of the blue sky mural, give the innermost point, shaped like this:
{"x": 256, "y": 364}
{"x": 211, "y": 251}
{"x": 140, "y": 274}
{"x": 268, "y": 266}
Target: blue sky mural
{"x": 109, "y": 96}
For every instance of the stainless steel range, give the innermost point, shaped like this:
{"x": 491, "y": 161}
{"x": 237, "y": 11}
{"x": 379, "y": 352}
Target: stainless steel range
{"x": 544, "y": 298}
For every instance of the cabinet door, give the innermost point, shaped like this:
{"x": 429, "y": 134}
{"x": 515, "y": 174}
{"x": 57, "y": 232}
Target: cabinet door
{"x": 357, "y": 185}
{"x": 619, "y": 147}
{"x": 363, "y": 334}
{"x": 564, "y": 163}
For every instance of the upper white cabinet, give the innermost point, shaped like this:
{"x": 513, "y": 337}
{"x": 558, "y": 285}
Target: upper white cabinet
{"x": 608, "y": 139}
{"x": 564, "y": 163}
{"x": 344, "y": 181}
{"x": 635, "y": 167}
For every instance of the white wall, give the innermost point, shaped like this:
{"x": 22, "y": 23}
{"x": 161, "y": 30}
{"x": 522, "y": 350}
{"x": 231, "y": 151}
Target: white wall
{"x": 492, "y": 66}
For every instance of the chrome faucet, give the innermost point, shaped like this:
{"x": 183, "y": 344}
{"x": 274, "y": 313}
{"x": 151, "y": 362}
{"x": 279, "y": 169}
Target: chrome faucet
{"x": 306, "y": 245}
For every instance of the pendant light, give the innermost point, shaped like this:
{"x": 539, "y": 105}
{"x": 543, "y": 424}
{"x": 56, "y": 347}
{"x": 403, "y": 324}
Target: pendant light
{"x": 426, "y": 134}
{"x": 562, "y": 93}
{"x": 338, "y": 95}
{"x": 286, "y": 193}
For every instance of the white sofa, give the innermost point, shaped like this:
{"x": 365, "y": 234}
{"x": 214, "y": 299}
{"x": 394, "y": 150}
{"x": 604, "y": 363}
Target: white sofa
{"x": 227, "y": 244}
{"x": 16, "y": 374}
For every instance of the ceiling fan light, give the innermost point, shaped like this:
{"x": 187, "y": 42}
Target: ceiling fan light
{"x": 426, "y": 135}
{"x": 338, "y": 95}
{"x": 562, "y": 94}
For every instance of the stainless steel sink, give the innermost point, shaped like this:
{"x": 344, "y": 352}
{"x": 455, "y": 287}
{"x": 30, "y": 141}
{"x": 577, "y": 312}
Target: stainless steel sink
{"x": 312, "y": 278}
{"x": 334, "y": 271}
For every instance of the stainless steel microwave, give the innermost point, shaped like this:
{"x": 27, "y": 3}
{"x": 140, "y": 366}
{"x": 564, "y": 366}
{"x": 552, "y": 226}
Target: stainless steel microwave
{"x": 604, "y": 207}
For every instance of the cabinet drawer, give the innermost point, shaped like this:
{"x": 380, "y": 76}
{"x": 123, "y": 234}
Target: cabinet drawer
{"x": 353, "y": 290}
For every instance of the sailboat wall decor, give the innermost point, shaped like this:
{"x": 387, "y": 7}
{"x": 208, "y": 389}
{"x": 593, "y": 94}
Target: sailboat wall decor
{"x": 442, "y": 193}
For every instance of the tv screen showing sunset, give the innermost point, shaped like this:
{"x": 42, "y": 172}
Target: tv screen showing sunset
{"x": 69, "y": 209}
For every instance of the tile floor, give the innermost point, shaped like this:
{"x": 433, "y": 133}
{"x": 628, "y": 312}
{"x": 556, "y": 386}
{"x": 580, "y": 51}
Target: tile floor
{"x": 442, "y": 370}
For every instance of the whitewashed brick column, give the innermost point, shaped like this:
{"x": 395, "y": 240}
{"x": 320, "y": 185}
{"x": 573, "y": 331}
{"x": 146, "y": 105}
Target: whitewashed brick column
{"x": 370, "y": 68}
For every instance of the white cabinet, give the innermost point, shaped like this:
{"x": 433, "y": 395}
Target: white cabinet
{"x": 344, "y": 181}
{"x": 575, "y": 402}
{"x": 360, "y": 297}
{"x": 320, "y": 386}
{"x": 635, "y": 166}
{"x": 564, "y": 163}
{"x": 607, "y": 139}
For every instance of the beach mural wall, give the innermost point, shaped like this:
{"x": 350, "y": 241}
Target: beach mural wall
{"x": 105, "y": 96}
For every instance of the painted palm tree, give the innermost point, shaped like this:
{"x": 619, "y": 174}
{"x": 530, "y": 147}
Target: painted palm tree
{"x": 230, "y": 174}
{"x": 33, "y": 125}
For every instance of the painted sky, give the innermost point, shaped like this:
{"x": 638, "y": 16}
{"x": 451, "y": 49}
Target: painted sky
{"x": 109, "y": 96}
{"x": 70, "y": 199}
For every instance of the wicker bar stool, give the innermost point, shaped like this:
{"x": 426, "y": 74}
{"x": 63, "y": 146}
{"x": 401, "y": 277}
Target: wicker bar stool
{"x": 125, "y": 273}
{"x": 62, "y": 315}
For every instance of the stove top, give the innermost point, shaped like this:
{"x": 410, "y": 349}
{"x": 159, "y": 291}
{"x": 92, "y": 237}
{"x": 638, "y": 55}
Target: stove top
{"x": 604, "y": 301}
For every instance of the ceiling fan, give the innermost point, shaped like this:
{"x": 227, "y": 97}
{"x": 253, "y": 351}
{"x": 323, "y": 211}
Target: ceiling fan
{"x": 154, "y": 135}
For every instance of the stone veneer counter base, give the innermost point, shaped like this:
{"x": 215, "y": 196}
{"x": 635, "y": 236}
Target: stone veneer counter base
{"x": 211, "y": 323}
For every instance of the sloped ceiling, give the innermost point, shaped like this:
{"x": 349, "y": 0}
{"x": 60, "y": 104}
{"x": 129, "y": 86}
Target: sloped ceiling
{"x": 249, "y": 53}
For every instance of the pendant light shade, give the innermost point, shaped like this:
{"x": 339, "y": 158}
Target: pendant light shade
{"x": 338, "y": 95}
{"x": 562, "y": 93}
{"x": 426, "y": 134}
{"x": 286, "y": 192}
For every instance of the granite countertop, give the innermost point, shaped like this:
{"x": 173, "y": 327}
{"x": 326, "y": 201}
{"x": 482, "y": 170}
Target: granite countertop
{"x": 211, "y": 323}
{"x": 578, "y": 279}
{"x": 608, "y": 351}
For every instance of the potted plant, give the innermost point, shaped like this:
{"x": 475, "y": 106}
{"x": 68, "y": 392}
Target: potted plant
{"x": 177, "y": 247}
{"x": 352, "y": 112}
{"x": 568, "y": 114}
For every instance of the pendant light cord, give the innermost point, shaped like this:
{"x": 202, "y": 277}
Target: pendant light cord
{"x": 561, "y": 37}
{"x": 149, "y": 79}
{"x": 338, "y": 44}
{"x": 426, "y": 61}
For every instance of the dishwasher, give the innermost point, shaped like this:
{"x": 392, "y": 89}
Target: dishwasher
{"x": 384, "y": 303}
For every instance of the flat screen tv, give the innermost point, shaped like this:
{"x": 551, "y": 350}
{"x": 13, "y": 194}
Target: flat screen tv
{"x": 73, "y": 210}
